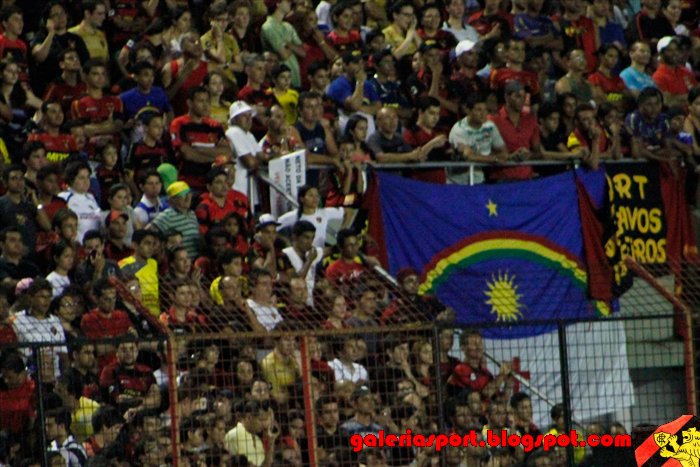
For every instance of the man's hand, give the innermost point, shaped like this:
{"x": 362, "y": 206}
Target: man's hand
{"x": 506, "y": 368}
{"x": 361, "y": 76}
{"x": 522, "y": 154}
{"x": 51, "y": 26}
{"x": 312, "y": 255}
{"x": 98, "y": 262}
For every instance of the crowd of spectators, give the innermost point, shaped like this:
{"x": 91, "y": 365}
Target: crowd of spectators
{"x": 131, "y": 132}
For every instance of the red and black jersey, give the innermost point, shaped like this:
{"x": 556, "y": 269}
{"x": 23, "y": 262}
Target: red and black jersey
{"x": 58, "y": 147}
{"x": 17, "y": 51}
{"x": 115, "y": 381}
{"x": 209, "y": 213}
{"x": 206, "y": 134}
{"x": 345, "y": 44}
{"x": 143, "y": 157}
{"x": 127, "y": 10}
{"x": 64, "y": 93}
{"x": 108, "y": 178}
{"x": 96, "y": 110}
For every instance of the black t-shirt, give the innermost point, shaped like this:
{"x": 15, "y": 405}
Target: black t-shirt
{"x": 22, "y": 214}
{"x": 48, "y": 70}
{"x": 20, "y": 271}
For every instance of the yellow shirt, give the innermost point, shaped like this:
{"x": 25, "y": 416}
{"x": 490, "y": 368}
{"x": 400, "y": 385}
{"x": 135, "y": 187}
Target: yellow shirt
{"x": 96, "y": 42}
{"x": 288, "y": 101}
{"x": 278, "y": 372}
{"x": 579, "y": 451}
{"x": 231, "y": 50}
{"x": 81, "y": 424}
{"x": 239, "y": 441}
{"x": 220, "y": 113}
{"x": 394, "y": 39}
{"x": 148, "y": 278}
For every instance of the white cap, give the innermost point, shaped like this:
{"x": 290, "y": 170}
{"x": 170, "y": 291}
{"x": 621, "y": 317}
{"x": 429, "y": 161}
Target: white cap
{"x": 237, "y": 108}
{"x": 663, "y": 43}
{"x": 265, "y": 220}
{"x": 464, "y": 47}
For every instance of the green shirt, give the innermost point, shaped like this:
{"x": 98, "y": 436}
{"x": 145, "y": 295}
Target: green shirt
{"x": 186, "y": 224}
{"x": 276, "y": 35}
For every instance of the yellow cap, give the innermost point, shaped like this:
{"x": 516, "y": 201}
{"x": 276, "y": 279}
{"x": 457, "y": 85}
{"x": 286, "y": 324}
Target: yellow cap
{"x": 178, "y": 188}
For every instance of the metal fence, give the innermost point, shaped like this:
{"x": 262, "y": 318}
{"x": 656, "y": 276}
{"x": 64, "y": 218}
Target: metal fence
{"x": 203, "y": 388}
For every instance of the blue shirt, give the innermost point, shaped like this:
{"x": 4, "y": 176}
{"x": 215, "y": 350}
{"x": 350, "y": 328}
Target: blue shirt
{"x": 525, "y": 26}
{"x": 635, "y": 80}
{"x": 612, "y": 32}
{"x": 134, "y": 100}
{"x": 342, "y": 88}
{"x": 389, "y": 93}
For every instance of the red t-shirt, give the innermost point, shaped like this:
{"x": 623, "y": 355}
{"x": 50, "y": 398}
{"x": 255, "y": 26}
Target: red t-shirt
{"x": 676, "y": 80}
{"x": 93, "y": 110}
{"x": 58, "y": 147}
{"x": 17, "y": 407}
{"x": 345, "y": 44}
{"x": 341, "y": 272}
{"x": 613, "y": 86}
{"x": 95, "y": 325}
{"x": 525, "y": 135}
{"x": 64, "y": 94}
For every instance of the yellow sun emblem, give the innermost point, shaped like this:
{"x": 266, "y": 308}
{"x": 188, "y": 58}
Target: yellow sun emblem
{"x": 504, "y": 297}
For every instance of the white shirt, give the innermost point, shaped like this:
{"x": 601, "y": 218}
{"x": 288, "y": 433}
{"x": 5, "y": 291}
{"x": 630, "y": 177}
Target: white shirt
{"x": 30, "y": 329}
{"x": 355, "y": 374}
{"x": 88, "y": 211}
{"x": 482, "y": 140}
{"x": 298, "y": 263}
{"x": 323, "y": 12}
{"x": 58, "y": 282}
{"x": 268, "y": 316}
{"x": 243, "y": 144}
{"x": 319, "y": 219}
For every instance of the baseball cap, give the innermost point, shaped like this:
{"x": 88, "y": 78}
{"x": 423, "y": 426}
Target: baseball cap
{"x": 665, "y": 42}
{"x": 352, "y": 56}
{"x": 265, "y": 220}
{"x": 464, "y": 47}
{"x": 113, "y": 215}
{"x": 178, "y": 189}
{"x": 238, "y": 108}
{"x": 360, "y": 391}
